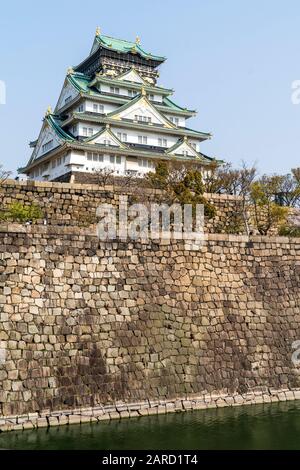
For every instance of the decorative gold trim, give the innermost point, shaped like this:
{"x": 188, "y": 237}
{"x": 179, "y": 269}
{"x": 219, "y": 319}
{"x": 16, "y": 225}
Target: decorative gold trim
{"x": 49, "y": 111}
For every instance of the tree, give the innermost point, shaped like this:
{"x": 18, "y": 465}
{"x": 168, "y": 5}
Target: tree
{"x": 246, "y": 177}
{"x": 237, "y": 182}
{"x": 104, "y": 176}
{"x": 180, "y": 183}
{"x": 267, "y": 213}
{"x": 3, "y": 174}
{"x": 221, "y": 179}
{"x": 289, "y": 189}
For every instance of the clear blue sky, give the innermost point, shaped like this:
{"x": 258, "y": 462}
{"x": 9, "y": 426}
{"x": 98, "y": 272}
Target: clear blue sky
{"x": 232, "y": 60}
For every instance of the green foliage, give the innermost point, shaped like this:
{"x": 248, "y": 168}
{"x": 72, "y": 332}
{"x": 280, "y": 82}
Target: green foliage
{"x": 181, "y": 183}
{"x": 18, "y": 212}
{"x": 289, "y": 231}
{"x": 267, "y": 213}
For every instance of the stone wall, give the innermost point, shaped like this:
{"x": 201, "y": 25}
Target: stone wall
{"x": 76, "y": 204}
{"x": 86, "y": 324}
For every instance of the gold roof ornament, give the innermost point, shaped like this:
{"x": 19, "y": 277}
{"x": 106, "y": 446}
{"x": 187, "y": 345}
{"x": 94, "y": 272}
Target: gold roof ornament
{"x": 107, "y": 126}
{"x": 138, "y": 40}
{"x": 70, "y": 70}
{"x": 49, "y": 111}
{"x": 185, "y": 139}
{"x": 143, "y": 91}
{"x": 98, "y": 31}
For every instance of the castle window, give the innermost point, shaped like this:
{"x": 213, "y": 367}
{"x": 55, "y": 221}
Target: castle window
{"x": 90, "y": 131}
{"x": 47, "y": 146}
{"x": 106, "y": 142}
{"x": 142, "y": 118}
{"x": 175, "y": 120}
{"x": 115, "y": 90}
{"x": 142, "y": 139}
{"x": 151, "y": 97}
{"x": 81, "y": 108}
{"x": 58, "y": 161}
{"x": 122, "y": 137}
{"x": 68, "y": 99}
{"x": 131, "y": 93}
{"x": 98, "y": 108}
{"x": 84, "y": 131}
{"x": 143, "y": 162}
{"x": 162, "y": 142}
{"x": 95, "y": 157}
{"x": 115, "y": 160}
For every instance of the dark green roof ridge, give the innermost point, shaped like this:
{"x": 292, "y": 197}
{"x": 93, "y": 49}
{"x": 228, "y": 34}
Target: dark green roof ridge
{"x": 123, "y": 46}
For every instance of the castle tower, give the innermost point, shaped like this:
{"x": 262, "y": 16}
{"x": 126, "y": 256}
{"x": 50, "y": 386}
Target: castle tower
{"x": 112, "y": 113}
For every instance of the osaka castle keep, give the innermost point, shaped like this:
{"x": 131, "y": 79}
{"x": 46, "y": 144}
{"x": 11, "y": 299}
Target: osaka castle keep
{"x": 111, "y": 113}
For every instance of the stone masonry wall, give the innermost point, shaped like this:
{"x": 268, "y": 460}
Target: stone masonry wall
{"x": 90, "y": 324}
{"x": 76, "y": 204}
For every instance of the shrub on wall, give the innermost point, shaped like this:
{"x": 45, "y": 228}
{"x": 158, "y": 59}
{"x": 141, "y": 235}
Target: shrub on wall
{"x": 18, "y": 212}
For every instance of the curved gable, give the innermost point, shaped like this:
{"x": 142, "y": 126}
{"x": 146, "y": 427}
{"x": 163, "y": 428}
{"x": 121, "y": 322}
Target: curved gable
{"x": 141, "y": 106}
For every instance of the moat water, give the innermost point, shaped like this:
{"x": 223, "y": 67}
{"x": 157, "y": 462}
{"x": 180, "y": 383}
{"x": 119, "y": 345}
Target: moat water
{"x": 275, "y": 426}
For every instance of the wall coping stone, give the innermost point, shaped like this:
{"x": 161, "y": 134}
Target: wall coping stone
{"x": 95, "y": 187}
{"x": 12, "y": 228}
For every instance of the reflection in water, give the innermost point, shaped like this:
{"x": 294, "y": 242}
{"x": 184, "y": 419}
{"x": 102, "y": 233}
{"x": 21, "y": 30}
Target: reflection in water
{"x": 269, "y": 426}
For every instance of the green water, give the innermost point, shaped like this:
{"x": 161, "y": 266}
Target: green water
{"x": 275, "y": 426}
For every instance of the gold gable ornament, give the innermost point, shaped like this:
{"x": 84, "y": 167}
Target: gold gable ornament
{"x": 70, "y": 70}
{"x": 143, "y": 91}
{"x": 98, "y": 31}
{"x": 138, "y": 40}
{"x": 49, "y": 111}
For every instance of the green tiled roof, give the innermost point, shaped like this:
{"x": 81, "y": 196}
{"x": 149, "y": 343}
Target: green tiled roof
{"x": 175, "y": 106}
{"x": 122, "y": 46}
{"x": 82, "y": 84}
{"x": 55, "y": 124}
{"x": 79, "y": 81}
